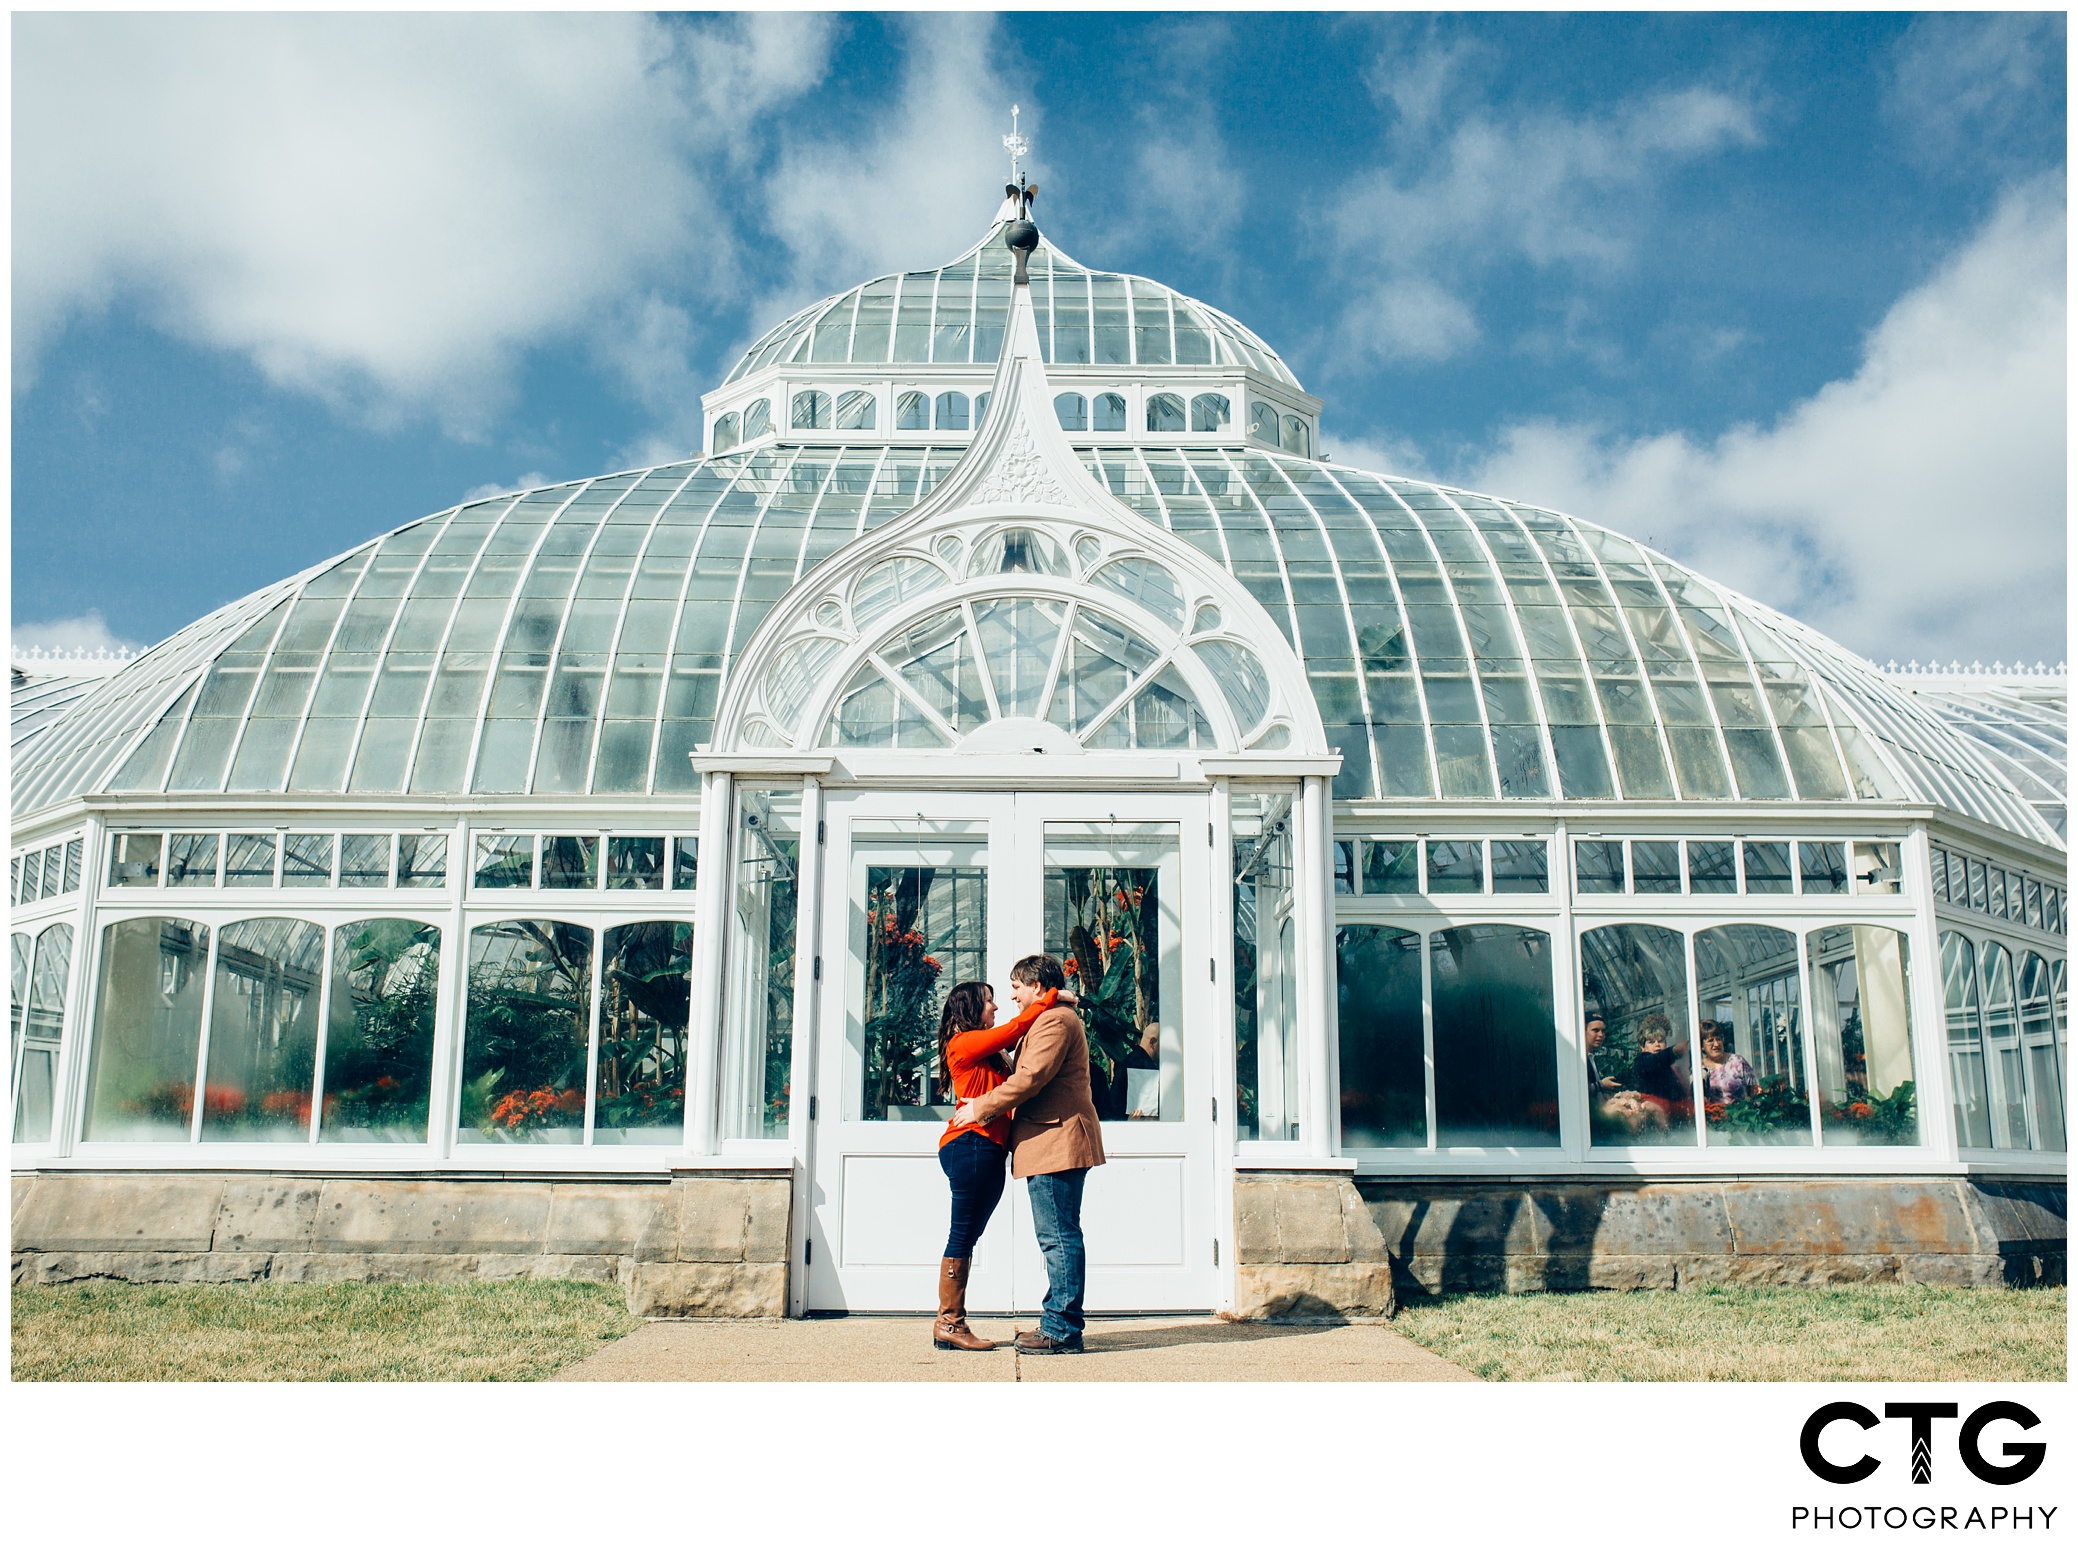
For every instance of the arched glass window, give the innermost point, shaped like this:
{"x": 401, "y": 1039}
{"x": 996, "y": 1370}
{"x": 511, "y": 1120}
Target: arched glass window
{"x": 857, "y": 410}
{"x": 912, "y": 410}
{"x": 1496, "y": 1053}
{"x": 1378, "y": 991}
{"x": 757, "y": 419}
{"x": 1072, "y": 411}
{"x": 527, "y": 1032}
{"x": 1298, "y": 438}
{"x": 1965, "y": 1042}
{"x": 811, "y": 409}
{"x": 2038, "y": 1031}
{"x": 952, "y": 412}
{"x": 2003, "y": 1069}
{"x": 379, "y": 1032}
{"x": 981, "y": 408}
{"x": 1755, "y": 1090}
{"x": 147, "y": 1029}
{"x": 1109, "y": 413}
{"x": 1861, "y": 1027}
{"x": 1634, "y": 998}
{"x": 1262, "y": 423}
{"x": 728, "y": 432}
{"x": 40, "y": 1027}
{"x": 1164, "y": 413}
{"x": 1210, "y": 413}
{"x": 263, "y": 1031}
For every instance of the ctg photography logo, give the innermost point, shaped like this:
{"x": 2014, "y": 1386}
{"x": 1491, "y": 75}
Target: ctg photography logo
{"x": 1834, "y": 1456}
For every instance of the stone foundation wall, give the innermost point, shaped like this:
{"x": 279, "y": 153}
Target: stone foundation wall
{"x": 695, "y": 1244}
{"x": 1306, "y": 1246}
{"x": 1673, "y": 1234}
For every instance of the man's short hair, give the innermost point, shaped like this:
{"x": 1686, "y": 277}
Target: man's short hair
{"x": 1041, "y": 969}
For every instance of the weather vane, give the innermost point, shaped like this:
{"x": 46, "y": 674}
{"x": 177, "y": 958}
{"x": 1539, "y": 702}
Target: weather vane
{"x": 1016, "y": 144}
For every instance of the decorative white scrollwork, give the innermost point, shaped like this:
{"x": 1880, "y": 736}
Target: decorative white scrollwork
{"x": 1021, "y": 474}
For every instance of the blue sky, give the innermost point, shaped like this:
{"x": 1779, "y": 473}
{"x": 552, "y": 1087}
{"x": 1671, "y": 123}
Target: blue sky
{"x": 1783, "y": 295}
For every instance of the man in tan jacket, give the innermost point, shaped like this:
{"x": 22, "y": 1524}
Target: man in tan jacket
{"x": 1054, "y": 1141}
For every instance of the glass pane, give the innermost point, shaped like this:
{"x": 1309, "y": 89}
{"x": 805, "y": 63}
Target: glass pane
{"x": 504, "y": 861}
{"x": 379, "y": 1032}
{"x": 526, "y": 1034}
{"x": 1861, "y": 1026}
{"x": 685, "y": 862}
{"x": 1598, "y": 866}
{"x": 1147, "y": 584}
{"x": 1266, "y": 964}
{"x": 249, "y": 861}
{"x": 1110, "y": 916}
{"x": 306, "y": 861}
{"x": 2004, "y": 1071}
{"x": 1634, "y": 989}
{"x": 758, "y": 1026}
{"x": 1457, "y": 867}
{"x": 42, "y": 1028}
{"x": 147, "y": 1028}
{"x": 1752, "y": 1037}
{"x": 1521, "y": 867}
{"x": 634, "y": 861}
{"x": 1767, "y": 867}
{"x": 569, "y": 861}
{"x": 1495, "y": 1049}
{"x": 1823, "y": 865}
{"x": 191, "y": 861}
{"x": 645, "y": 1007}
{"x": 1656, "y": 866}
{"x": 1378, "y": 994}
{"x": 2038, "y": 1040}
{"x": 422, "y": 861}
{"x": 263, "y": 1031}
{"x": 1018, "y": 638}
{"x": 1710, "y": 869}
{"x": 364, "y": 861}
{"x": 1392, "y": 866}
{"x": 1241, "y": 680}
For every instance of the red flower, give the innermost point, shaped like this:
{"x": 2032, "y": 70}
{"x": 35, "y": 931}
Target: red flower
{"x": 1859, "y": 1110}
{"x": 1068, "y": 967}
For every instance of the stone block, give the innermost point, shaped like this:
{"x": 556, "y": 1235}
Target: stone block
{"x": 1309, "y": 1221}
{"x": 373, "y": 1267}
{"x": 1956, "y": 1270}
{"x": 1298, "y": 1291}
{"x": 1255, "y": 1220}
{"x": 1366, "y": 1242}
{"x": 140, "y": 1267}
{"x": 707, "y": 1289}
{"x": 1620, "y": 1272}
{"x": 266, "y": 1215}
{"x": 18, "y": 1195}
{"x": 376, "y": 1215}
{"x": 2013, "y": 1214}
{"x": 771, "y": 1221}
{"x": 1783, "y": 1268}
{"x": 1663, "y": 1219}
{"x": 713, "y": 1219}
{"x": 1448, "y": 1221}
{"x": 89, "y": 1212}
{"x": 615, "y": 1218}
{"x": 1820, "y": 1217}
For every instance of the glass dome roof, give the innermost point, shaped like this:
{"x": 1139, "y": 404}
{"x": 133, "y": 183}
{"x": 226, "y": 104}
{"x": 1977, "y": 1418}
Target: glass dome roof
{"x": 956, "y": 314}
{"x": 576, "y": 639}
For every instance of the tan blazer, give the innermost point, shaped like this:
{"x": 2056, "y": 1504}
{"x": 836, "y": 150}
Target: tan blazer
{"x": 1056, "y": 1125}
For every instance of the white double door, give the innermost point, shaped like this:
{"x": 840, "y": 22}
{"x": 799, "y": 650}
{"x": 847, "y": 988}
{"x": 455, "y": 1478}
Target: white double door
{"x": 924, "y": 890}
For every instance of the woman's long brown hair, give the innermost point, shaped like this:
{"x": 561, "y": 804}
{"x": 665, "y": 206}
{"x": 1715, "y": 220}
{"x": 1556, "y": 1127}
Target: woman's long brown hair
{"x": 964, "y": 1003}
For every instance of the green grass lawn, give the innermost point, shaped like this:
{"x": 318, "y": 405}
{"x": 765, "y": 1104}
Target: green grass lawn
{"x": 507, "y": 1330}
{"x": 1749, "y": 1333}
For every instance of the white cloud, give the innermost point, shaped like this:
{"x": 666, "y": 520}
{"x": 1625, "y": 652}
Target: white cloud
{"x": 1963, "y": 86}
{"x": 89, "y": 631}
{"x": 526, "y": 482}
{"x": 1915, "y": 509}
{"x": 382, "y": 210}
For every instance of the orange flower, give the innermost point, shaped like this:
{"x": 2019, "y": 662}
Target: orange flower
{"x": 1068, "y": 967}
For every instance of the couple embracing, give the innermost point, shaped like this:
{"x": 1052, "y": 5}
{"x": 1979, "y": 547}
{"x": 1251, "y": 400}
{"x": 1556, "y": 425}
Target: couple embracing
{"x": 1040, "y": 1113}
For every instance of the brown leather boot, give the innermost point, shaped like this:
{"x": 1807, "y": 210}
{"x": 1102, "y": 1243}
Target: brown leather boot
{"x": 950, "y": 1330}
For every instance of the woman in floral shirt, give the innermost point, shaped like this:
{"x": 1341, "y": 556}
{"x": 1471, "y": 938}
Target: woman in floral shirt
{"x": 1726, "y": 1077}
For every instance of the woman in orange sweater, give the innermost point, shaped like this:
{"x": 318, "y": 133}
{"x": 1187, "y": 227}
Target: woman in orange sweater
{"x": 974, "y": 1160}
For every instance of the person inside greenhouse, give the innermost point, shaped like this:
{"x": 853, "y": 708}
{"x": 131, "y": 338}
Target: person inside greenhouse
{"x": 972, "y": 1060}
{"x": 1659, "y": 1069}
{"x": 1726, "y": 1076}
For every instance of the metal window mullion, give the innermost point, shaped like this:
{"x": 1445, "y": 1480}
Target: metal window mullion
{"x": 1061, "y": 645}
{"x": 988, "y": 685}
{"x": 1753, "y": 671}
{"x": 1421, "y": 689}
{"x": 904, "y": 690}
{"x": 382, "y": 654}
{"x": 490, "y": 678}
{"x": 1486, "y": 732}
{"x": 620, "y": 621}
{"x": 1428, "y": 1038}
{"x": 1522, "y": 643}
{"x": 883, "y": 455}
{"x": 317, "y": 674}
{"x": 1132, "y": 688}
{"x": 591, "y": 1058}
{"x": 245, "y": 720}
{"x": 1695, "y": 662}
{"x": 1623, "y": 619}
{"x": 931, "y": 322}
{"x": 1823, "y": 688}
{"x": 750, "y": 548}
{"x": 1356, "y": 655}
{"x": 692, "y": 563}
{"x": 324, "y": 1024}
{"x": 425, "y": 706}
{"x": 1284, "y": 576}
{"x": 216, "y": 934}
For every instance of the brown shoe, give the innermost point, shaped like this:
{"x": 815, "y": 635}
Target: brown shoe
{"x": 1039, "y": 1343}
{"x": 950, "y": 1330}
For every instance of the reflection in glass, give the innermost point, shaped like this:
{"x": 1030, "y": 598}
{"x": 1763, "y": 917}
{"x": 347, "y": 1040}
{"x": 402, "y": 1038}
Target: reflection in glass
{"x": 1495, "y": 1051}
{"x": 1965, "y": 1042}
{"x": 422, "y": 861}
{"x": 379, "y": 1031}
{"x": 1378, "y": 995}
{"x": 263, "y": 1021}
{"x": 1822, "y": 864}
{"x": 2039, "y": 1040}
{"x": 635, "y": 861}
{"x": 1392, "y": 866}
{"x": 645, "y": 1006}
{"x": 925, "y": 928}
{"x": 364, "y": 861}
{"x": 569, "y": 861}
{"x": 1521, "y": 867}
{"x": 504, "y": 861}
{"x": 1457, "y": 867}
{"x": 1265, "y": 969}
{"x": 1710, "y": 868}
{"x": 1656, "y": 866}
{"x": 2003, "y": 1069}
{"x": 685, "y": 861}
{"x": 40, "y": 1028}
{"x": 147, "y": 1029}
{"x": 306, "y": 861}
{"x": 1598, "y": 866}
{"x": 527, "y": 1033}
{"x": 1634, "y": 984}
{"x": 1104, "y": 918}
{"x": 1751, "y": 1037}
{"x": 191, "y": 862}
{"x": 758, "y": 1024}
{"x": 1072, "y": 411}
{"x": 1861, "y": 1027}
{"x": 249, "y": 861}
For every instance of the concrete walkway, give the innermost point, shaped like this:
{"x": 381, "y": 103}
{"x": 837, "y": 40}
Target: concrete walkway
{"x": 885, "y": 1348}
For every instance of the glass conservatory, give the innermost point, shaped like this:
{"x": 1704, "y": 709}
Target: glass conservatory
{"x": 638, "y": 825}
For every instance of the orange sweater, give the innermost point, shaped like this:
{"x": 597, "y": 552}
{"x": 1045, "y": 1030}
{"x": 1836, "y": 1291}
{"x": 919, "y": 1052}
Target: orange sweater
{"x": 970, "y": 1056}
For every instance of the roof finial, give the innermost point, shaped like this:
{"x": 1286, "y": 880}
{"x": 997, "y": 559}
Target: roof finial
{"x": 1016, "y": 144}
{"x": 1022, "y": 236}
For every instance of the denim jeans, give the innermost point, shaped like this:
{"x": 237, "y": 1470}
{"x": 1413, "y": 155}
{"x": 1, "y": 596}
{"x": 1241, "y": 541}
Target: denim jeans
{"x": 974, "y": 1165}
{"x": 1057, "y": 1223}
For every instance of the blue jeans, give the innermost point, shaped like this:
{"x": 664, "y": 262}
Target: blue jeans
{"x": 974, "y": 1165}
{"x": 1057, "y": 1222}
